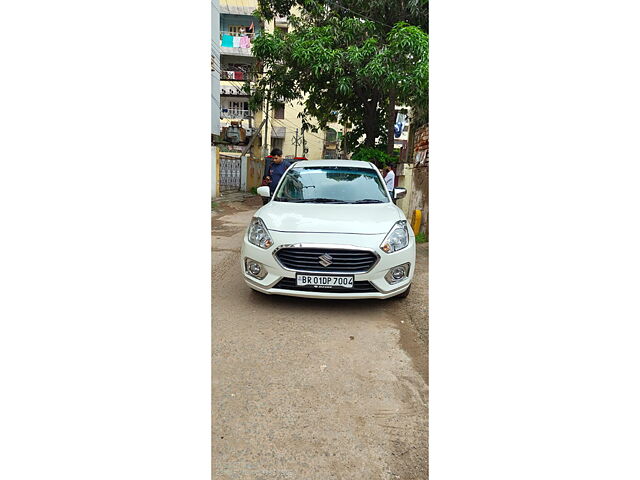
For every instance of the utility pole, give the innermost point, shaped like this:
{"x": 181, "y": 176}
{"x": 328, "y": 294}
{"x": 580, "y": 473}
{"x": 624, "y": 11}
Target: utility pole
{"x": 305, "y": 150}
{"x": 343, "y": 142}
{"x": 296, "y": 141}
{"x": 265, "y": 142}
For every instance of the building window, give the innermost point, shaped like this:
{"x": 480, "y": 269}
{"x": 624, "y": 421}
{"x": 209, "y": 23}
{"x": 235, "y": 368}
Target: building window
{"x": 283, "y": 29}
{"x": 240, "y": 105}
{"x": 331, "y": 135}
{"x": 278, "y": 111}
{"x": 237, "y": 30}
{"x": 277, "y": 143}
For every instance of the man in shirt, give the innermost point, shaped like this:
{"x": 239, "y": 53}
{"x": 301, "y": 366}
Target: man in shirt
{"x": 390, "y": 181}
{"x": 274, "y": 169}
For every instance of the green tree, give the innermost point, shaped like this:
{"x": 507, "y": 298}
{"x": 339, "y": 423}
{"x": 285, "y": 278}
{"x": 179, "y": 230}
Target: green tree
{"x": 345, "y": 62}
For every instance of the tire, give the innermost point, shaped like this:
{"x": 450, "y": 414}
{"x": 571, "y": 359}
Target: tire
{"x": 404, "y": 294}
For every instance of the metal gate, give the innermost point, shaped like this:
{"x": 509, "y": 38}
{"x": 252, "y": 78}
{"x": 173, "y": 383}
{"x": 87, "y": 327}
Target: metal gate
{"x": 229, "y": 173}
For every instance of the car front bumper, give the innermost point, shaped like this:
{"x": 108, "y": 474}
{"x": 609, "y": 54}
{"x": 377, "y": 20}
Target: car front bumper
{"x": 376, "y": 276}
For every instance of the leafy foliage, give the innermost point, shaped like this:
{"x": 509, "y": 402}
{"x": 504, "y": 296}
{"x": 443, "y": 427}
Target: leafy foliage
{"x": 375, "y": 156}
{"x": 345, "y": 64}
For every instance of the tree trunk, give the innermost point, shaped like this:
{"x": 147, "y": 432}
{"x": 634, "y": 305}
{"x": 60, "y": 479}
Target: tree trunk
{"x": 391, "y": 120}
{"x": 371, "y": 123}
{"x": 370, "y": 132}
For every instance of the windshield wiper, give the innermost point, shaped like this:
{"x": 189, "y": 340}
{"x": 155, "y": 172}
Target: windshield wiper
{"x": 368, "y": 200}
{"x": 321, "y": 200}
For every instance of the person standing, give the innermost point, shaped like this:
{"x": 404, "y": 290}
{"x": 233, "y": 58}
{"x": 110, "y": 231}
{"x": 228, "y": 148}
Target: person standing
{"x": 274, "y": 169}
{"x": 390, "y": 181}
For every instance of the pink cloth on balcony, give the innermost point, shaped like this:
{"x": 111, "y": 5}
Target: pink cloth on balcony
{"x": 238, "y": 75}
{"x": 245, "y": 42}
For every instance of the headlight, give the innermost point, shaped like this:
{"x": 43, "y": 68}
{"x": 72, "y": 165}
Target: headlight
{"x": 258, "y": 234}
{"x": 397, "y": 238}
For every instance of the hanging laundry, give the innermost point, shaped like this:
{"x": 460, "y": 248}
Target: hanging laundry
{"x": 236, "y": 42}
{"x": 227, "y": 41}
{"x": 238, "y": 76}
{"x": 245, "y": 42}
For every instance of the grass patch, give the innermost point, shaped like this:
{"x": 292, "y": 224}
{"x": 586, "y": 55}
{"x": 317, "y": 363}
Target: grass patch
{"x": 421, "y": 238}
{"x": 254, "y": 190}
{"x": 214, "y": 205}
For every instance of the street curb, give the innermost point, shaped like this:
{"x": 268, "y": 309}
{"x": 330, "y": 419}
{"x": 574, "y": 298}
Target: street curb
{"x": 233, "y": 197}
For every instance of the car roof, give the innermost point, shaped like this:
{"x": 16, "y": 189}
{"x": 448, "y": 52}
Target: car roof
{"x": 334, "y": 163}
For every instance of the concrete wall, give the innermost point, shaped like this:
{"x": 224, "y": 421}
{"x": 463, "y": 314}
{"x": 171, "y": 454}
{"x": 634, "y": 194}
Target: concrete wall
{"x": 255, "y": 169}
{"x": 415, "y": 178}
{"x": 215, "y": 172}
{"x": 404, "y": 174}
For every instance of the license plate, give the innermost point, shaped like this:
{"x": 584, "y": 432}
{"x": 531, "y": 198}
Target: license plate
{"x": 324, "y": 281}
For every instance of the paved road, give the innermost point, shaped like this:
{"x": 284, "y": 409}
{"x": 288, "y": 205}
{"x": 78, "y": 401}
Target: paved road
{"x": 309, "y": 389}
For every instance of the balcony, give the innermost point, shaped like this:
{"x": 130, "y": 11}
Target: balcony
{"x": 282, "y": 21}
{"x": 237, "y": 75}
{"x": 233, "y": 44}
{"x": 233, "y": 90}
{"x": 234, "y": 114}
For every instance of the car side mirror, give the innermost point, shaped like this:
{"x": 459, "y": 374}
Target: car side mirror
{"x": 399, "y": 193}
{"x": 264, "y": 191}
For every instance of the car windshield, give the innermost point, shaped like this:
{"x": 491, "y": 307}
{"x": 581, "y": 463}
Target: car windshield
{"x": 331, "y": 185}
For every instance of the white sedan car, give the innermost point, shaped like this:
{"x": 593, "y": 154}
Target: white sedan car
{"x": 331, "y": 230}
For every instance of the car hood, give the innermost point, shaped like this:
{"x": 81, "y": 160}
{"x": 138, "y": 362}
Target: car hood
{"x": 376, "y": 218}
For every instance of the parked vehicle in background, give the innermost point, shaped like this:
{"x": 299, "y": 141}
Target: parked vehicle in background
{"x": 331, "y": 230}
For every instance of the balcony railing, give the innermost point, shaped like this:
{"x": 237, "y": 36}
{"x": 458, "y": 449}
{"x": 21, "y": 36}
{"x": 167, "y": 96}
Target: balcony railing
{"x": 233, "y": 90}
{"x": 232, "y": 42}
{"x": 236, "y": 75}
{"x": 233, "y": 113}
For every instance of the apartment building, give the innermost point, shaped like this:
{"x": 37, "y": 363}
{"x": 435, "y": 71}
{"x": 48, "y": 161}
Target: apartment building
{"x": 238, "y": 29}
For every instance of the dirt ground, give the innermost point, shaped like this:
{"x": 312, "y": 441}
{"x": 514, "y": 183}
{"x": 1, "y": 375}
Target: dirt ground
{"x": 314, "y": 389}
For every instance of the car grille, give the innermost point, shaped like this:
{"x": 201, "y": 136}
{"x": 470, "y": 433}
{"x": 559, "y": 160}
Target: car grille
{"x": 308, "y": 260}
{"x": 358, "y": 287}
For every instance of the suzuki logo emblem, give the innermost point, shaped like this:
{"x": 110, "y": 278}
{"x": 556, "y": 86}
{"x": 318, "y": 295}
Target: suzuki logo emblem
{"x": 325, "y": 260}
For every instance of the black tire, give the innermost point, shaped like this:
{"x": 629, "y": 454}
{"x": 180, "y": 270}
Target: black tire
{"x": 404, "y": 294}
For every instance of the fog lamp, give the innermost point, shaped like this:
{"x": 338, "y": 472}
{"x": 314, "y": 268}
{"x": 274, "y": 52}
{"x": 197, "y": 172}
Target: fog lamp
{"x": 255, "y": 269}
{"x": 397, "y": 274}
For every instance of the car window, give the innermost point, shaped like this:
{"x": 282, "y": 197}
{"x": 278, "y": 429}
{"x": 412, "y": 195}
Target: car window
{"x": 332, "y": 185}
